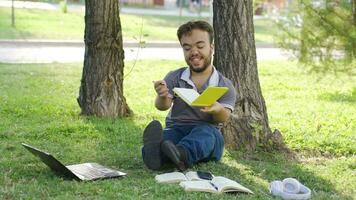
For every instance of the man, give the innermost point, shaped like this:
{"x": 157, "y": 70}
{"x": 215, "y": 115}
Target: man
{"x": 192, "y": 134}
{"x": 194, "y": 6}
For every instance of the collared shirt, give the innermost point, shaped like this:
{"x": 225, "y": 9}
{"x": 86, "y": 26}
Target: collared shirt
{"x": 181, "y": 113}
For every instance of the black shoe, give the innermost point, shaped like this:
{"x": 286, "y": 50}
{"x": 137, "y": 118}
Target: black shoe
{"x": 152, "y": 137}
{"x": 177, "y": 155}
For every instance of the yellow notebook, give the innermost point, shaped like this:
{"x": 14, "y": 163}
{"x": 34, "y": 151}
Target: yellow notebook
{"x": 207, "y": 98}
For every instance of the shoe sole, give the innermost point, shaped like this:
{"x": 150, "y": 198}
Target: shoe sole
{"x": 152, "y": 137}
{"x": 173, "y": 156}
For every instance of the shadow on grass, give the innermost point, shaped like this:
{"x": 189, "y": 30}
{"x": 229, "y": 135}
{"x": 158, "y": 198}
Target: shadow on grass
{"x": 120, "y": 148}
{"x": 339, "y": 97}
{"x": 121, "y": 142}
{"x": 15, "y": 33}
{"x": 117, "y": 143}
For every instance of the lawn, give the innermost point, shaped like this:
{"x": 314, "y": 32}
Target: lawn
{"x": 39, "y": 24}
{"x": 38, "y": 106}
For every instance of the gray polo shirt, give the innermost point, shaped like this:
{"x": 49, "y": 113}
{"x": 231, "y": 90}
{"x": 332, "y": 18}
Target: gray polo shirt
{"x": 183, "y": 114}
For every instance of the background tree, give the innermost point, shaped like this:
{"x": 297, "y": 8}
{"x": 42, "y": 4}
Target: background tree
{"x": 235, "y": 57}
{"x": 101, "y": 90}
{"x": 321, "y": 34}
{"x": 12, "y": 14}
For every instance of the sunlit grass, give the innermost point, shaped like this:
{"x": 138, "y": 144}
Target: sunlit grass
{"x": 313, "y": 114}
{"x": 39, "y": 24}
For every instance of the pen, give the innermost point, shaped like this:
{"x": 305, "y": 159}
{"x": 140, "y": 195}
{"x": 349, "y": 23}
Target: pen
{"x": 212, "y": 184}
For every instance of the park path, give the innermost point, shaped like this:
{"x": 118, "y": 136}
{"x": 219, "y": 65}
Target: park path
{"x": 15, "y": 51}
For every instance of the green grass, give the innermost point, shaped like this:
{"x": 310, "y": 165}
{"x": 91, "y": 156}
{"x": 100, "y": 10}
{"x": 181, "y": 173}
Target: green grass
{"x": 39, "y": 24}
{"x": 264, "y": 31}
{"x": 38, "y": 106}
{"x": 316, "y": 115}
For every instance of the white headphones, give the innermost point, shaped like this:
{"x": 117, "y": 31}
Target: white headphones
{"x": 290, "y": 188}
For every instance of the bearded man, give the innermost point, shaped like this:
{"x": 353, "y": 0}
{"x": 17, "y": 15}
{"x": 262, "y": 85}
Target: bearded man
{"x": 191, "y": 134}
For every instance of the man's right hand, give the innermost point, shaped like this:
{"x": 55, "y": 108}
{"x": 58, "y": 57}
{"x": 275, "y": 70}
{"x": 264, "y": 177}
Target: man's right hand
{"x": 163, "y": 102}
{"x": 161, "y": 88}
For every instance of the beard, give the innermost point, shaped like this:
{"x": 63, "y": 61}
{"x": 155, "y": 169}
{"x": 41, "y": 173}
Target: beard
{"x": 206, "y": 64}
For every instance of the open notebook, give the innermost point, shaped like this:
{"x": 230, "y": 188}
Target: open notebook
{"x": 217, "y": 185}
{"x": 84, "y": 171}
{"x": 207, "y": 98}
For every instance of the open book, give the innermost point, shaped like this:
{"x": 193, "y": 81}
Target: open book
{"x": 176, "y": 177}
{"x": 207, "y": 98}
{"x": 218, "y": 184}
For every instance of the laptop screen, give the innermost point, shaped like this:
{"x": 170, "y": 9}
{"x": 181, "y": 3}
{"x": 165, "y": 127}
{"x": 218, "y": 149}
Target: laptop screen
{"x": 51, "y": 162}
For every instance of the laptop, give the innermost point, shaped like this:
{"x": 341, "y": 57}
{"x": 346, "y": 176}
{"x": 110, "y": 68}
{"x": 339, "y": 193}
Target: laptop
{"x": 80, "y": 172}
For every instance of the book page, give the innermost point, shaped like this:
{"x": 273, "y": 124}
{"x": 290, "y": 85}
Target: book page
{"x": 210, "y": 96}
{"x": 187, "y": 95}
{"x": 226, "y": 185}
{"x": 198, "y": 186}
{"x": 173, "y": 177}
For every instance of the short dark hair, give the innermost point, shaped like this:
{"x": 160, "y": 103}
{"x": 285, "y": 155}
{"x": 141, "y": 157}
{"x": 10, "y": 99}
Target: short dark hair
{"x": 191, "y": 25}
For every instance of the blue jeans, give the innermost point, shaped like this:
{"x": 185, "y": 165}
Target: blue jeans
{"x": 203, "y": 142}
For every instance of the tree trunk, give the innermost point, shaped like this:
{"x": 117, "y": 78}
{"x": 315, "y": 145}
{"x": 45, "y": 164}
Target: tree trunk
{"x": 235, "y": 57}
{"x": 12, "y": 14}
{"x": 354, "y": 23}
{"x": 101, "y": 90}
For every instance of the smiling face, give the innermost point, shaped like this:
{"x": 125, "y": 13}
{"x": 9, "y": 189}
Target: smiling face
{"x": 197, "y": 50}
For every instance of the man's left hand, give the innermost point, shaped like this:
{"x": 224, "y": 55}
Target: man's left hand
{"x": 213, "y": 109}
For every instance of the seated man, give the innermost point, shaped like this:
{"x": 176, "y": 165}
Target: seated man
{"x": 192, "y": 134}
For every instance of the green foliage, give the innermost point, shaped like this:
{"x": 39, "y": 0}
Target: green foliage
{"x": 38, "y": 106}
{"x": 322, "y": 36}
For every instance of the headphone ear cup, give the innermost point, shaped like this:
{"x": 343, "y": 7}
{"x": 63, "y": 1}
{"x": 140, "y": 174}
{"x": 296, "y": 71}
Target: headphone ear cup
{"x": 291, "y": 185}
{"x": 276, "y": 188}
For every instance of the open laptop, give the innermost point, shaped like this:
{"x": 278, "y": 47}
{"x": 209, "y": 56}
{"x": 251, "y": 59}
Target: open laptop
{"x": 80, "y": 172}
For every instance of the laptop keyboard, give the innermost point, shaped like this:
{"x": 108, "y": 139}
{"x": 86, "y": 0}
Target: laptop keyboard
{"x": 91, "y": 172}
{"x": 88, "y": 172}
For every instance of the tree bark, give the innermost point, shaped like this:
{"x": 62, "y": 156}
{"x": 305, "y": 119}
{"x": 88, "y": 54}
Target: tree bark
{"x": 353, "y": 2}
{"x": 12, "y": 14}
{"x": 235, "y": 58}
{"x": 101, "y": 90}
